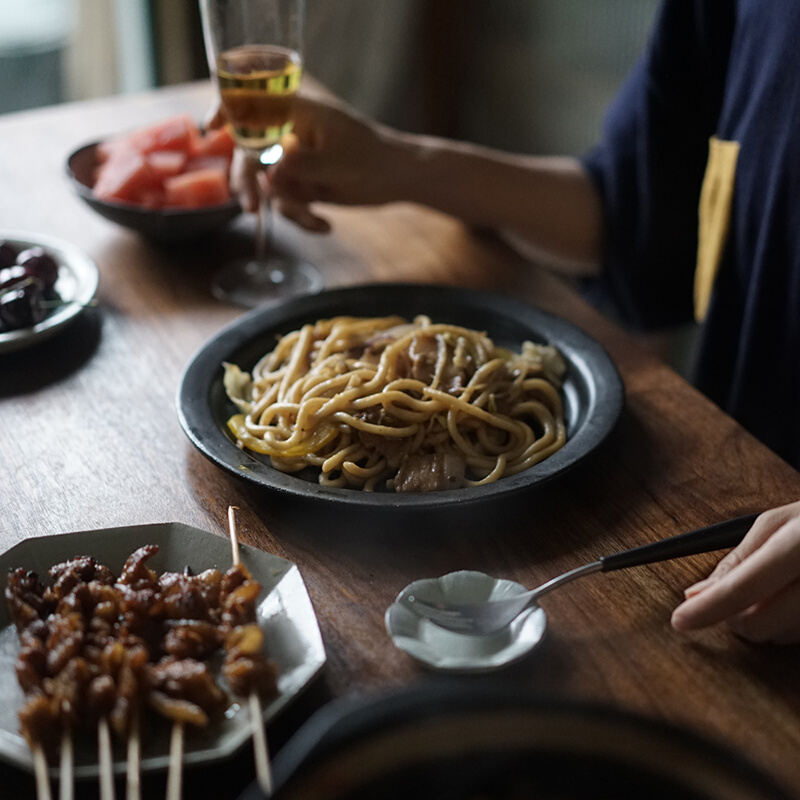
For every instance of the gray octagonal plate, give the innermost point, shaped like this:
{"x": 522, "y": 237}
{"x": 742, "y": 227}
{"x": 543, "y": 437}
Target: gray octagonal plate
{"x": 285, "y": 613}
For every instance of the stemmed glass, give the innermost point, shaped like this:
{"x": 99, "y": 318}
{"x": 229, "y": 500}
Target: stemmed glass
{"x": 254, "y": 50}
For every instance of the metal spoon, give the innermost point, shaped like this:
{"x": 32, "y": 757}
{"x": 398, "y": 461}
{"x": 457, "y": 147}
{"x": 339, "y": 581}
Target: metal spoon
{"x": 481, "y": 619}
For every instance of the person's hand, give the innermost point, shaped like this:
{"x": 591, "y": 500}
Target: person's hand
{"x": 333, "y": 155}
{"x": 755, "y": 589}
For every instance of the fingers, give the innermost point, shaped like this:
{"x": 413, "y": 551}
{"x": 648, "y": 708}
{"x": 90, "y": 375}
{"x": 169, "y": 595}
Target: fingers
{"x": 301, "y": 214}
{"x": 747, "y": 587}
{"x": 754, "y": 538}
{"x": 698, "y": 587}
{"x": 743, "y": 581}
{"x": 297, "y": 178}
{"x": 316, "y": 116}
{"x": 300, "y": 170}
{"x": 762, "y": 529}
{"x": 331, "y": 157}
{"x": 288, "y": 174}
{"x": 250, "y": 182}
{"x": 774, "y": 620}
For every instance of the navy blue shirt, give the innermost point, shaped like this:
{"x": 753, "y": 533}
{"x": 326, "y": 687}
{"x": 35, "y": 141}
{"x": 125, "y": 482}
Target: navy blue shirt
{"x": 730, "y": 69}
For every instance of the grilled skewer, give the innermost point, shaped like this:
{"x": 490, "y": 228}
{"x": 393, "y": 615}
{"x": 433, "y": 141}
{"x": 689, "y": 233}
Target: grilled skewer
{"x": 94, "y": 648}
{"x": 260, "y": 749}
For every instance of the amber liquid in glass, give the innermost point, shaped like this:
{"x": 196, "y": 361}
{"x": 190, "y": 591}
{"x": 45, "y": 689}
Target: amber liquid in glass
{"x": 258, "y": 84}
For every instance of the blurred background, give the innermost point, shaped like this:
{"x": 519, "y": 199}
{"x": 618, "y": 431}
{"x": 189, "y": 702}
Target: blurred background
{"x": 526, "y": 75}
{"x": 530, "y": 76}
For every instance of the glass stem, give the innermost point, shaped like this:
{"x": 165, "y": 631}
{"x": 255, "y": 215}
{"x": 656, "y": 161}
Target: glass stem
{"x": 264, "y": 220}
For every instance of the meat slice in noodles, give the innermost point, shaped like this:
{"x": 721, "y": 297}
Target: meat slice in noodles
{"x": 430, "y": 472}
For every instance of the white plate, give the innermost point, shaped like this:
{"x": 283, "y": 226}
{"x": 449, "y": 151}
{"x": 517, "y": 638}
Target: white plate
{"x": 285, "y": 613}
{"x": 456, "y": 652}
{"x": 77, "y": 284}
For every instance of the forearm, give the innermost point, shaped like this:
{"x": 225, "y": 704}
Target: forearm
{"x": 338, "y": 156}
{"x": 550, "y": 202}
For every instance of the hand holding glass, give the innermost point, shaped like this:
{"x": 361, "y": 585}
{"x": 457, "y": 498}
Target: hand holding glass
{"x": 254, "y": 49}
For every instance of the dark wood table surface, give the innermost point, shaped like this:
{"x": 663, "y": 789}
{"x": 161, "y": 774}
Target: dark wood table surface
{"x": 89, "y": 438}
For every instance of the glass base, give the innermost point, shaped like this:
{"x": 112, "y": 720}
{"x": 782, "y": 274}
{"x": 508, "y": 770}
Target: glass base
{"x": 251, "y": 282}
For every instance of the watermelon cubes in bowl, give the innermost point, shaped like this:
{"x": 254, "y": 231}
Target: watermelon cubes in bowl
{"x": 168, "y": 181}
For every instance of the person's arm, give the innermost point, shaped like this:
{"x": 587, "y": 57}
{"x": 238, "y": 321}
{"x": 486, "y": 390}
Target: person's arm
{"x": 337, "y": 156}
{"x": 755, "y": 589}
{"x": 549, "y": 202}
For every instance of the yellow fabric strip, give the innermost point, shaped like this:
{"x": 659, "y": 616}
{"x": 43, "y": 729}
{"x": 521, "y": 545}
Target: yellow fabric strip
{"x": 716, "y": 200}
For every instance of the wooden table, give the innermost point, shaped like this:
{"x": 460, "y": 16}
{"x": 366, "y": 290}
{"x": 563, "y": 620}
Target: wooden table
{"x": 89, "y": 438}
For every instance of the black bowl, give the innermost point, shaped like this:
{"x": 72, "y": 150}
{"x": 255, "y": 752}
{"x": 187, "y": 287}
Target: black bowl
{"x": 172, "y": 224}
{"x": 493, "y": 741}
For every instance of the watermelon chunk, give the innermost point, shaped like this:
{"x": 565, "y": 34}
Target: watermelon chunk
{"x": 217, "y": 142}
{"x": 124, "y": 177}
{"x": 167, "y": 163}
{"x": 176, "y": 133}
{"x": 143, "y": 167}
{"x": 208, "y": 162}
{"x": 197, "y": 189}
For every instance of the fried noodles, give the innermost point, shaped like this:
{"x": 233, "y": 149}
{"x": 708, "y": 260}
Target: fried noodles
{"x": 380, "y": 402}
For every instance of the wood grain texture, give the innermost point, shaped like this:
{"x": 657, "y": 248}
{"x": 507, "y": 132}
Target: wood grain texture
{"x": 89, "y": 438}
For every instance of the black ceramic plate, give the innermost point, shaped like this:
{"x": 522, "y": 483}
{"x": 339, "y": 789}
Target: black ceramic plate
{"x": 593, "y": 390}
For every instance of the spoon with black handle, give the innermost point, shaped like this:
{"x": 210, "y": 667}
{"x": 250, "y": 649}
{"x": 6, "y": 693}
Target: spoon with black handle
{"x": 490, "y": 616}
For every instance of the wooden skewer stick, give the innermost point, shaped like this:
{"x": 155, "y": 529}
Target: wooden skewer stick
{"x": 234, "y": 537}
{"x": 40, "y": 772}
{"x": 260, "y": 749}
{"x": 175, "y": 775}
{"x": 133, "y": 782}
{"x": 105, "y": 760}
{"x": 66, "y": 783}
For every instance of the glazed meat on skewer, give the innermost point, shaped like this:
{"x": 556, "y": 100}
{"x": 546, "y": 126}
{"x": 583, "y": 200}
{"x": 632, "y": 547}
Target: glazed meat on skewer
{"x": 246, "y": 667}
{"x": 192, "y": 613}
{"x": 184, "y": 691}
{"x": 94, "y": 646}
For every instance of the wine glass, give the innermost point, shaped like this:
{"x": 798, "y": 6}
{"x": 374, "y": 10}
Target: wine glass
{"x": 254, "y": 50}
